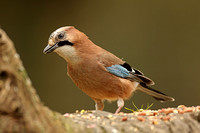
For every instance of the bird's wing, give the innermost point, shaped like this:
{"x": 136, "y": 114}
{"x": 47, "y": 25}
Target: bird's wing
{"x": 125, "y": 71}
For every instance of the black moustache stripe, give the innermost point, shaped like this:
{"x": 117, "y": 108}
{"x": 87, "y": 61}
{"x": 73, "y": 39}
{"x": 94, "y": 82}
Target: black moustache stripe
{"x": 62, "y": 43}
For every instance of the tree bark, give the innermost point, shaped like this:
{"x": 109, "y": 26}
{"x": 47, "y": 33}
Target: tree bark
{"x": 22, "y": 111}
{"x": 20, "y": 107}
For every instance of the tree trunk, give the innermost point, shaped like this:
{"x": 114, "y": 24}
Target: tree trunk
{"x": 22, "y": 111}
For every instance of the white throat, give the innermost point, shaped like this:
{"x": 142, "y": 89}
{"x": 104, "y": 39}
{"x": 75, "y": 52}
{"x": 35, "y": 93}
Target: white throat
{"x": 68, "y": 53}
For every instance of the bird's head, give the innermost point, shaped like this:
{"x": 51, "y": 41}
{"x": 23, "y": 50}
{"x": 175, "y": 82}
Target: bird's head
{"x": 64, "y": 41}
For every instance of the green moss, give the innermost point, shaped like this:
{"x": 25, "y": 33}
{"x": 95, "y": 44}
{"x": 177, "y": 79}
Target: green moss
{"x": 23, "y": 72}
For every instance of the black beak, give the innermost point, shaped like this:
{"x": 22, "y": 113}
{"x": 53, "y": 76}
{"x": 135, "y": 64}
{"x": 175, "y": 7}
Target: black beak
{"x": 49, "y": 49}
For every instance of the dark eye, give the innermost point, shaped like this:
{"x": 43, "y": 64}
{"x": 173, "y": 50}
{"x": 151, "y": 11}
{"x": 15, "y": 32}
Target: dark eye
{"x": 61, "y": 35}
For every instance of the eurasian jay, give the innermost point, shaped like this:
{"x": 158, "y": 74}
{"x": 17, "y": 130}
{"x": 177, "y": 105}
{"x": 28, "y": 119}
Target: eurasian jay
{"x": 97, "y": 72}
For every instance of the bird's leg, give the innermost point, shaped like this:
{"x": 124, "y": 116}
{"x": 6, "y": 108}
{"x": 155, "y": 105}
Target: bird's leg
{"x": 120, "y": 104}
{"x": 99, "y": 104}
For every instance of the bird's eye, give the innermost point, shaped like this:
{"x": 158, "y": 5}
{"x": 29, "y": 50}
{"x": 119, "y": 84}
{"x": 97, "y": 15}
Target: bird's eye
{"x": 60, "y": 36}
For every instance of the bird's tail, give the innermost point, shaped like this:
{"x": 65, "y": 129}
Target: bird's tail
{"x": 154, "y": 93}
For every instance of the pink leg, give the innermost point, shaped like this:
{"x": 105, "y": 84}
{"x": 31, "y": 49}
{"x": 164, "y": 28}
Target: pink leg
{"x": 120, "y": 104}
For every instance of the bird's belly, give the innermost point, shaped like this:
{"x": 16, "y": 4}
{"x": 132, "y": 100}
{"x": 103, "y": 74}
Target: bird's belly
{"x": 104, "y": 85}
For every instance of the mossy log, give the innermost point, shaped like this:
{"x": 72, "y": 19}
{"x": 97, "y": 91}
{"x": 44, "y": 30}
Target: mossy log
{"x": 22, "y": 111}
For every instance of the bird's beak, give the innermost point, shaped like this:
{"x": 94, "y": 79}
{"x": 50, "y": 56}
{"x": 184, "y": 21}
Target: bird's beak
{"x": 49, "y": 49}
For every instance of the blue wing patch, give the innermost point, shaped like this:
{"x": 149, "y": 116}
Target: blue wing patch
{"x": 125, "y": 71}
{"x": 118, "y": 70}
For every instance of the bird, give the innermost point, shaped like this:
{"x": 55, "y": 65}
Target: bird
{"x": 97, "y": 72}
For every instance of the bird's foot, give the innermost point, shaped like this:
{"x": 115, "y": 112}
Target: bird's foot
{"x": 120, "y": 103}
{"x": 118, "y": 110}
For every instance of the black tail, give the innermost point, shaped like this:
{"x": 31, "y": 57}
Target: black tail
{"x": 154, "y": 93}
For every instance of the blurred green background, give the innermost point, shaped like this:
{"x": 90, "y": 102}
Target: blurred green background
{"x": 159, "y": 37}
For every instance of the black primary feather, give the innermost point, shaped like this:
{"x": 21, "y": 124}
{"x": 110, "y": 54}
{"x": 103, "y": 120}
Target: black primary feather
{"x": 137, "y": 75}
{"x": 127, "y": 66}
{"x": 146, "y": 80}
{"x": 138, "y": 72}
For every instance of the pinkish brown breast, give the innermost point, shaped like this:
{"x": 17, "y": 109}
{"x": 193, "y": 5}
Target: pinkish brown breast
{"x": 96, "y": 82}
